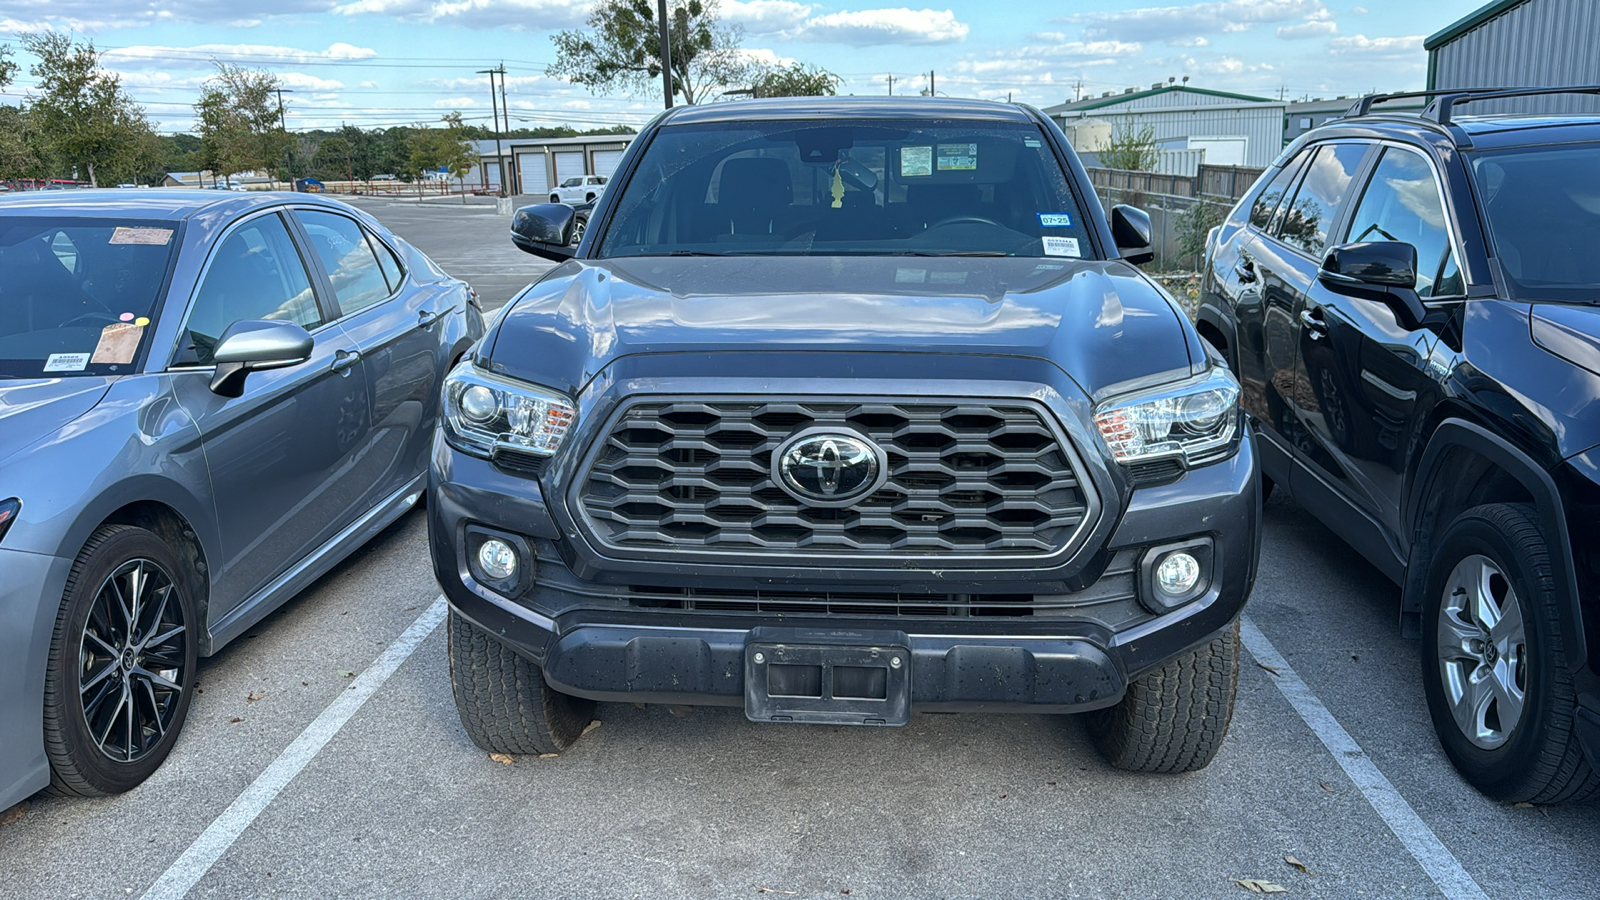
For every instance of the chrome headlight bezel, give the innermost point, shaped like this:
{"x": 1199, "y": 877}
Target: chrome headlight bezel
{"x": 1196, "y": 421}
{"x": 484, "y": 414}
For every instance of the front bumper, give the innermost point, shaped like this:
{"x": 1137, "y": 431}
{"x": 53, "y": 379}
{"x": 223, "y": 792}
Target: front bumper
{"x": 28, "y": 620}
{"x": 594, "y": 638}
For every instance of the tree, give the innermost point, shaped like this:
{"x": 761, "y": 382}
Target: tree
{"x": 81, "y": 114}
{"x": 436, "y": 149}
{"x": 8, "y": 67}
{"x": 1129, "y": 148}
{"x": 623, "y": 43}
{"x": 795, "y": 80}
{"x": 1194, "y": 228}
{"x": 240, "y": 125}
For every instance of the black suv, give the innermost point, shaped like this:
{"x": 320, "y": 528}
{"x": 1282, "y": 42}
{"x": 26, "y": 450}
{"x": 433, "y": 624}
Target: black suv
{"x": 1410, "y": 305}
{"x": 841, "y": 409}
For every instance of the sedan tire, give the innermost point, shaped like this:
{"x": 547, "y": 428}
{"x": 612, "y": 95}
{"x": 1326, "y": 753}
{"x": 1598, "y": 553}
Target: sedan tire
{"x": 121, "y": 671}
{"x": 504, "y": 702}
{"x": 1494, "y": 663}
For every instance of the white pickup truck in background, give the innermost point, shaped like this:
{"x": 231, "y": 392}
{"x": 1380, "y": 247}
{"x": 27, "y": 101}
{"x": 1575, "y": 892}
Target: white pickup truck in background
{"x": 579, "y": 189}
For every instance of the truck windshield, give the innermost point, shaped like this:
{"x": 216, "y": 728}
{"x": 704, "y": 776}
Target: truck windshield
{"x": 875, "y": 187}
{"x": 77, "y": 295}
{"x": 1543, "y": 207}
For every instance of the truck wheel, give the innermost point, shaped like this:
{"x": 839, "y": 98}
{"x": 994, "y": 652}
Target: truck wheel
{"x": 121, "y": 669}
{"x": 1173, "y": 719}
{"x": 1494, "y": 664}
{"x": 504, "y": 702}
{"x": 555, "y": 198}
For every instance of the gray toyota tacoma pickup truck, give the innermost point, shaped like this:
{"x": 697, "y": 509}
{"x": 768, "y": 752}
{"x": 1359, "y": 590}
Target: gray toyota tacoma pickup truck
{"x": 841, "y": 410}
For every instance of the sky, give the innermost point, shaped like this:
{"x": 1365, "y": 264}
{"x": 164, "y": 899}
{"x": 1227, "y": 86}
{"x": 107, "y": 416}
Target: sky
{"x": 378, "y": 63}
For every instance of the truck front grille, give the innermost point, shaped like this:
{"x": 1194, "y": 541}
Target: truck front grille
{"x": 964, "y": 477}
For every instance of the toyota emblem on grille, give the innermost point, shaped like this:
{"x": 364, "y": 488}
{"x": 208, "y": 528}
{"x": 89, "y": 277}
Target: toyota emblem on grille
{"x": 829, "y": 468}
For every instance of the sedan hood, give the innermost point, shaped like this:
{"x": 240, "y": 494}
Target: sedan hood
{"x": 1101, "y": 322}
{"x": 32, "y": 409}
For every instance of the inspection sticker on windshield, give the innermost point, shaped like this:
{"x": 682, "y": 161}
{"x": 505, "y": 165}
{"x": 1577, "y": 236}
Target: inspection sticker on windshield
{"x": 1055, "y": 220}
{"x": 910, "y": 276}
{"x": 916, "y": 161}
{"x": 1060, "y": 246}
{"x": 67, "y": 362}
{"x": 154, "y": 236}
{"x": 958, "y": 157}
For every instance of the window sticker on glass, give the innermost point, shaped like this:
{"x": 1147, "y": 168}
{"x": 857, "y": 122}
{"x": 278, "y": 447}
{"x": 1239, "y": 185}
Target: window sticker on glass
{"x": 119, "y": 342}
{"x": 916, "y": 161}
{"x": 958, "y": 157}
{"x": 1061, "y": 246}
{"x": 1031, "y": 142}
{"x": 66, "y": 362}
{"x": 1055, "y": 220}
{"x": 947, "y": 278}
{"x": 156, "y": 237}
{"x": 910, "y": 276}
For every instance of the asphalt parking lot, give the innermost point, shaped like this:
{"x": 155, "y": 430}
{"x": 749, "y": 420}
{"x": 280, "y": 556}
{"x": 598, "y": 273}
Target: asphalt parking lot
{"x": 307, "y": 769}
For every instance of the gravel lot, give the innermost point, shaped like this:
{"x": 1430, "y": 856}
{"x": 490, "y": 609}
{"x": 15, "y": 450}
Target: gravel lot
{"x": 390, "y": 799}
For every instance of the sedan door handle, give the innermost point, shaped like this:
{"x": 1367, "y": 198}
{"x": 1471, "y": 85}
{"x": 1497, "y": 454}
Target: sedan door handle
{"x": 344, "y": 359}
{"x": 1314, "y": 323}
{"x": 1244, "y": 269}
{"x": 426, "y": 318}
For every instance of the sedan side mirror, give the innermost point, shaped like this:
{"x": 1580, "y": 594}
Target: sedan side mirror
{"x": 1381, "y": 270}
{"x": 544, "y": 229}
{"x": 251, "y": 345}
{"x": 1130, "y": 228}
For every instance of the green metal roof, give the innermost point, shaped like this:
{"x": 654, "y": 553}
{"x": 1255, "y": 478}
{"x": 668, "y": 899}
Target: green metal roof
{"x": 1101, "y": 102}
{"x": 1457, "y": 29}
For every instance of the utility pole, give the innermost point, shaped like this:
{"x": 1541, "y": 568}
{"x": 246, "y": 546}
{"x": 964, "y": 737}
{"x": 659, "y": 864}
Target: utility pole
{"x": 932, "y": 92}
{"x": 891, "y": 85}
{"x": 666, "y": 51}
{"x": 505, "y": 105}
{"x": 283, "y": 122}
{"x": 499, "y": 153}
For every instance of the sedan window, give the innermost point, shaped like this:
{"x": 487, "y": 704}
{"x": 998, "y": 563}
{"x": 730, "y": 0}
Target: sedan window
{"x": 1402, "y": 204}
{"x": 346, "y": 256}
{"x": 255, "y": 273}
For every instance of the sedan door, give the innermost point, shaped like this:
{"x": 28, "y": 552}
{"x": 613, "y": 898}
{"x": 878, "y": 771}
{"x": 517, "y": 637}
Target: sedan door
{"x": 282, "y": 456}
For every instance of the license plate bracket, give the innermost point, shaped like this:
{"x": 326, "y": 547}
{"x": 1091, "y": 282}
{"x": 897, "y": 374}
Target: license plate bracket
{"x": 827, "y": 683}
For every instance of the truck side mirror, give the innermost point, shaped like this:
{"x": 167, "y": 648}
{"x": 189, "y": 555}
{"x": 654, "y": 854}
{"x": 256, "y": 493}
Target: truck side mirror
{"x": 544, "y": 229}
{"x": 1130, "y": 229}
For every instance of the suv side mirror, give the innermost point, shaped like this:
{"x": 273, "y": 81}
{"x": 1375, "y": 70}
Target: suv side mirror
{"x": 544, "y": 229}
{"x": 251, "y": 345}
{"x": 1130, "y": 229}
{"x": 1381, "y": 270}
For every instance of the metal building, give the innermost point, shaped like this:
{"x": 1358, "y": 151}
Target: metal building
{"x": 1520, "y": 43}
{"x": 538, "y": 164}
{"x": 1230, "y": 129}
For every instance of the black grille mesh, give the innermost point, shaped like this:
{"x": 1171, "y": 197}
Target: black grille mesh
{"x": 964, "y": 477}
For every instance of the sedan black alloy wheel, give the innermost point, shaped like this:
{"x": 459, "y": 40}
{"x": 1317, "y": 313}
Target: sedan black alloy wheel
{"x": 132, "y": 656}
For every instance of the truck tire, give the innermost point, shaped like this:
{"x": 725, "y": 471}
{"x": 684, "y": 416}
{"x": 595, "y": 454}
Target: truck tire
{"x": 1173, "y": 719}
{"x": 504, "y": 702}
{"x": 1494, "y": 660}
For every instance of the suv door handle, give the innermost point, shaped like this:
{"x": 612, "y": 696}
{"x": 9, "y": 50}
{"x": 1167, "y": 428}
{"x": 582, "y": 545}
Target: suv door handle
{"x": 1244, "y": 269}
{"x": 1314, "y": 323}
{"x": 426, "y": 318}
{"x": 344, "y": 359}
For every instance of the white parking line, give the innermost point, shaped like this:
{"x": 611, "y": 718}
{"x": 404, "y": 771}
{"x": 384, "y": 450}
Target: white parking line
{"x": 1431, "y": 853}
{"x": 221, "y": 833}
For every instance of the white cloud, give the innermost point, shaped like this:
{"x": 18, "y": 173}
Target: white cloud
{"x": 304, "y": 82}
{"x": 520, "y": 15}
{"x": 869, "y": 27}
{"x": 254, "y": 55}
{"x": 455, "y": 103}
{"x": 1308, "y": 29}
{"x": 1387, "y": 47}
{"x": 766, "y": 16}
{"x": 765, "y": 57}
{"x": 1184, "y": 23}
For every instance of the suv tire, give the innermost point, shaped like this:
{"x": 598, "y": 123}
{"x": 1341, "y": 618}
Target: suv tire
{"x": 1173, "y": 719}
{"x": 1493, "y": 563}
{"x": 504, "y": 702}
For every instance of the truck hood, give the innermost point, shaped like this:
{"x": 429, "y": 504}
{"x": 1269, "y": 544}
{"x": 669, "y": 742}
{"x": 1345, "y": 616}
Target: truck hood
{"x": 1100, "y": 322}
{"x": 34, "y": 408}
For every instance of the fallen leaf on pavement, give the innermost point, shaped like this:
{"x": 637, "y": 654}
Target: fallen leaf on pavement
{"x": 1272, "y": 669}
{"x": 548, "y": 755}
{"x": 590, "y": 727}
{"x": 679, "y": 711}
{"x": 1298, "y": 865}
{"x": 1327, "y": 787}
{"x": 1522, "y": 806}
{"x": 21, "y": 809}
{"x": 1257, "y": 886}
{"x": 251, "y": 698}
{"x": 767, "y": 890}
{"x": 503, "y": 759}
{"x": 234, "y": 720}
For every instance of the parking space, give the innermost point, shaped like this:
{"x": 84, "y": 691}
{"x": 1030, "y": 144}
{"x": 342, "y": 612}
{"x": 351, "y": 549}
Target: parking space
{"x": 659, "y": 802}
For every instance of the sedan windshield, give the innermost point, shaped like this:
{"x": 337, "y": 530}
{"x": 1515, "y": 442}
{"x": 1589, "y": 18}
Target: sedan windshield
{"x": 875, "y": 187}
{"x": 1543, "y": 206}
{"x": 77, "y": 296}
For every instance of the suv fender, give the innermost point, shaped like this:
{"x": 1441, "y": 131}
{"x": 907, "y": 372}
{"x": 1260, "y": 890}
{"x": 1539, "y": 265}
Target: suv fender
{"x": 1455, "y": 434}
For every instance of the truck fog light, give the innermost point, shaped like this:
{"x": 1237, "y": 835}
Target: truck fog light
{"x": 1177, "y": 574}
{"x": 497, "y": 559}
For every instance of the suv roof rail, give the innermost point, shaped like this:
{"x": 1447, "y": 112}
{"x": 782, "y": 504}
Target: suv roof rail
{"x": 1441, "y": 108}
{"x": 1364, "y": 106}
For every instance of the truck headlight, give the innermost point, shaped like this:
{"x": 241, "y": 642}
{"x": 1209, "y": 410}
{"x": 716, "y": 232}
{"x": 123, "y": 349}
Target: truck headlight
{"x": 1196, "y": 420}
{"x": 484, "y": 413}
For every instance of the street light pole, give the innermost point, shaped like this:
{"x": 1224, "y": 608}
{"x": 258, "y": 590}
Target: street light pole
{"x": 499, "y": 154}
{"x": 666, "y": 50}
{"x": 283, "y": 122}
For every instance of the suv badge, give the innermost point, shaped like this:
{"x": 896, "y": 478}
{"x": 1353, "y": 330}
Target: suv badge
{"x": 825, "y": 468}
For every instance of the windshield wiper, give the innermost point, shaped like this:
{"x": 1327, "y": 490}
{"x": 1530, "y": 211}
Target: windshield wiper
{"x": 947, "y": 253}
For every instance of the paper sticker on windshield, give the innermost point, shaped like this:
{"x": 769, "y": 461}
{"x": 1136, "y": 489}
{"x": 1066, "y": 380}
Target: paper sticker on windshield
{"x": 958, "y": 157}
{"x": 1061, "y": 246}
{"x": 1031, "y": 142}
{"x": 66, "y": 362}
{"x": 157, "y": 237}
{"x": 915, "y": 161}
{"x": 119, "y": 342}
{"x": 947, "y": 278}
{"x": 1055, "y": 220}
{"x": 910, "y": 276}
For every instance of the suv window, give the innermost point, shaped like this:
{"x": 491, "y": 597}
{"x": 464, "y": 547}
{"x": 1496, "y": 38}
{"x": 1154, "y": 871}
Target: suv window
{"x": 346, "y": 256}
{"x": 1267, "y": 202}
{"x": 255, "y": 273}
{"x": 1306, "y": 219}
{"x": 1543, "y": 207}
{"x": 1402, "y": 204}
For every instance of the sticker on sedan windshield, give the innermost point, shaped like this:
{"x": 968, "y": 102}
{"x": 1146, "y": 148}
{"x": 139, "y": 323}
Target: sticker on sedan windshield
{"x": 66, "y": 362}
{"x": 157, "y": 237}
{"x": 119, "y": 342}
{"x": 910, "y": 276}
{"x": 958, "y": 157}
{"x": 1060, "y": 246}
{"x": 1055, "y": 220}
{"x": 947, "y": 278}
{"x": 916, "y": 161}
